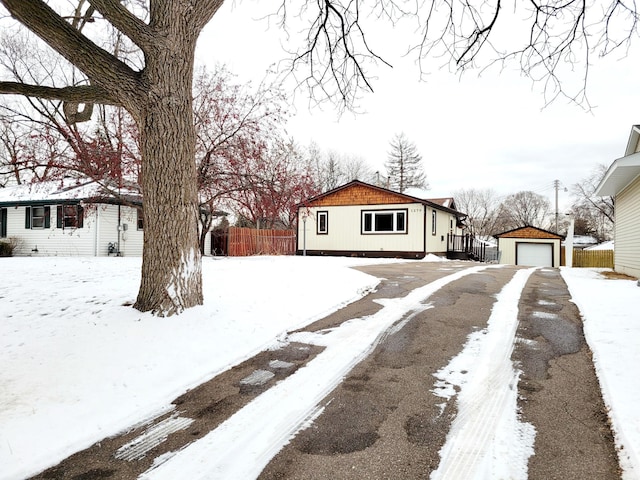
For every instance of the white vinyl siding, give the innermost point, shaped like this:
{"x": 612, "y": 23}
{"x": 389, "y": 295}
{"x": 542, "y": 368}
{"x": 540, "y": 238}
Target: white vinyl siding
{"x": 627, "y": 230}
{"x": 131, "y": 239}
{"x": 99, "y": 228}
{"x": 438, "y": 243}
{"x": 346, "y": 222}
{"x": 344, "y": 232}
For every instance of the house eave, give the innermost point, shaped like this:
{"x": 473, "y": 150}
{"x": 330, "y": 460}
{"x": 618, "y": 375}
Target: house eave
{"x": 620, "y": 175}
{"x": 632, "y": 143}
{"x": 134, "y": 201}
{"x": 411, "y": 198}
{"x": 511, "y": 233}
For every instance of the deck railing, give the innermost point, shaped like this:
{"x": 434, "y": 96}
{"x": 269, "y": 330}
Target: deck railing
{"x": 466, "y": 247}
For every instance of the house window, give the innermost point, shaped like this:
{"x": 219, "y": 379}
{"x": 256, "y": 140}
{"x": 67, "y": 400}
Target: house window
{"x": 140, "y": 219}
{"x": 433, "y": 222}
{"x": 37, "y": 217}
{"x": 70, "y": 216}
{"x": 384, "y": 221}
{"x": 3, "y": 222}
{"x": 323, "y": 223}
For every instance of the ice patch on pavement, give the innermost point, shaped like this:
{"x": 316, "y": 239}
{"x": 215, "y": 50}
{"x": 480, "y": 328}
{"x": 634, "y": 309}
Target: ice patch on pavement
{"x": 280, "y": 365}
{"x": 258, "y": 377}
{"x": 152, "y": 437}
{"x": 545, "y": 303}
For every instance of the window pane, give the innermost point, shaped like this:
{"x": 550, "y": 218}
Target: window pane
{"x": 70, "y": 216}
{"x": 37, "y": 217}
{"x": 400, "y": 221}
{"x": 322, "y": 222}
{"x": 384, "y": 222}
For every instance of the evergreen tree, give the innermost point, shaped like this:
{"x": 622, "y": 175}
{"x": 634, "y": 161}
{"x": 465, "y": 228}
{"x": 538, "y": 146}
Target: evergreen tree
{"x": 404, "y": 165}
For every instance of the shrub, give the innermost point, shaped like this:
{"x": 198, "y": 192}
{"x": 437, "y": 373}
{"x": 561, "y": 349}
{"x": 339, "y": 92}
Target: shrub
{"x": 8, "y": 246}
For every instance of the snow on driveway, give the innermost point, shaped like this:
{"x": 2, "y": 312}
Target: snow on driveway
{"x": 77, "y": 366}
{"x": 487, "y": 426}
{"x": 243, "y": 445}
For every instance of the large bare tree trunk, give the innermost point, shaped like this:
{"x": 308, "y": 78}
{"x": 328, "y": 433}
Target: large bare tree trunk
{"x": 171, "y": 265}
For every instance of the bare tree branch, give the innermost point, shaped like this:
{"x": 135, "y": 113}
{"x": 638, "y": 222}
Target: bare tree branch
{"x": 203, "y": 11}
{"x": 125, "y": 21}
{"x": 99, "y": 65}
{"x": 79, "y": 94}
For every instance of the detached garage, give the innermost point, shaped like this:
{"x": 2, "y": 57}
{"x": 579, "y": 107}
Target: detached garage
{"x": 529, "y": 246}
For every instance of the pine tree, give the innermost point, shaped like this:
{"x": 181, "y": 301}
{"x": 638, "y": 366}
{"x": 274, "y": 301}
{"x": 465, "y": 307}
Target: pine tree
{"x": 404, "y": 165}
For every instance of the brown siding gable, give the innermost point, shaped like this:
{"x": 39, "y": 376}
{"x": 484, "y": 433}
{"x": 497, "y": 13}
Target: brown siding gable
{"x": 359, "y": 194}
{"x": 529, "y": 232}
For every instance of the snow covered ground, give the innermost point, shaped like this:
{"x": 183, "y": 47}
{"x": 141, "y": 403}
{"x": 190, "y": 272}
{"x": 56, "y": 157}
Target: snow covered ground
{"x": 78, "y": 366}
{"x": 611, "y": 313}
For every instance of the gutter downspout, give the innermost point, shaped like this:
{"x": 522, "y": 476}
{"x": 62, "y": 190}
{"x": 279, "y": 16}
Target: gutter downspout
{"x": 424, "y": 229}
{"x": 97, "y": 236}
{"x": 119, "y": 229}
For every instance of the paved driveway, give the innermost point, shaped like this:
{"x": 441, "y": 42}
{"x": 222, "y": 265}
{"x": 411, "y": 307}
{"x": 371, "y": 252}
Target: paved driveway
{"x": 383, "y": 421}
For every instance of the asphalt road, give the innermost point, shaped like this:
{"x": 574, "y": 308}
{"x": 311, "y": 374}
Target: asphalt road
{"x": 383, "y": 421}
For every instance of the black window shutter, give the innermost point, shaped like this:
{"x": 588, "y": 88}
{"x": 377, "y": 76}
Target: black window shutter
{"x": 27, "y": 217}
{"x": 59, "y": 213}
{"x": 80, "y": 216}
{"x": 47, "y": 217}
{"x": 3, "y": 222}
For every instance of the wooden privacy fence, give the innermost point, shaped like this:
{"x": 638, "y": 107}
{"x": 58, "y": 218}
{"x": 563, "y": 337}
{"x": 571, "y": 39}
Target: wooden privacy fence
{"x": 250, "y": 241}
{"x": 593, "y": 258}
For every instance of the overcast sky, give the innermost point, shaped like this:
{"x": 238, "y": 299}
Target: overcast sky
{"x": 491, "y": 131}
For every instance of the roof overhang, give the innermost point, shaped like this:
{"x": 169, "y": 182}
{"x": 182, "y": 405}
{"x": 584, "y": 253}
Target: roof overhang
{"x": 632, "y": 143}
{"x": 620, "y": 174}
{"x": 430, "y": 203}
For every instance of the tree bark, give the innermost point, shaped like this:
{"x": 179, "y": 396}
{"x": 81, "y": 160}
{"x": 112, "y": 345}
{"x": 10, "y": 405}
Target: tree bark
{"x": 171, "y": 265}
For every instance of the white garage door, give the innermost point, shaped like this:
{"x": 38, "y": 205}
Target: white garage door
{"x": 534, "y": 254}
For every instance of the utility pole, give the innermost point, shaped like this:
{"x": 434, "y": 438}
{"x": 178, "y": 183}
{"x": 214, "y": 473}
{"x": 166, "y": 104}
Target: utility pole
{"x": 556, "y": 185}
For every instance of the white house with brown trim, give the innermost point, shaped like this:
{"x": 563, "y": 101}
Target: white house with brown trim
{"x": 530, "y": 246}
{"x": 622, "y": 181}
{"x": 359, "y": 219}
{"x": 49, "y": 219}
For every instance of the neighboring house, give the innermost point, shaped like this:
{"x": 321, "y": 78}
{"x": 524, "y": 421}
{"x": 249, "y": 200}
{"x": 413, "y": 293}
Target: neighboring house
{"x": 583, "y": 242}
{"x": 49, "y": 219}
{"x": 608, "y": 245}
{"x": 359, "y": 219}
{"x": 622, "y": 181}
{"x": 448, "y": 202}
{"x": 529, "y": 246}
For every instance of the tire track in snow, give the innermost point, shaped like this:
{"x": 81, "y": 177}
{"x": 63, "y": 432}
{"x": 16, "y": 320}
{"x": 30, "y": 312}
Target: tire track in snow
{"x": 486, "y": 430}
{"x": 243, "y": 445}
